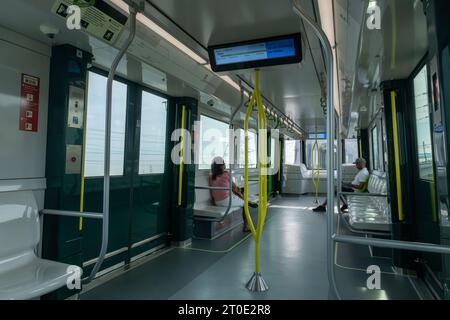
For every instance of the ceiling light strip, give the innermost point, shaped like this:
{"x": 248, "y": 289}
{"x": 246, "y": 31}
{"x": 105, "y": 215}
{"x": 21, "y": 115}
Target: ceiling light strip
{"x": 161, "y": 32}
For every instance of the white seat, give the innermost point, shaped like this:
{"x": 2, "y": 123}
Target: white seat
{"x": 214, "y": 212}
{"x": 371, "y": 213}
{"x": 299, "y": 180}
{"x": 22, "y": 274}
{"x": 203, "y": 206}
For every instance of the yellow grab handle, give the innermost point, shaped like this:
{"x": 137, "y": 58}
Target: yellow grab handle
{"x": 401, "y": 216}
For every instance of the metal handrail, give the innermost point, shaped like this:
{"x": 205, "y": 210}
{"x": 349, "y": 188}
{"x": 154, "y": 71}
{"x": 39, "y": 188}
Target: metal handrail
{"x": 393, "y": 244}
{"x": 367, "y": 195}
{"x": 365, "y": 232}
{"x": 134, "y": 8}
{"x": 330, "y": 138}
{"x": 212, "y": 188}
{"x": 78, "y": 214}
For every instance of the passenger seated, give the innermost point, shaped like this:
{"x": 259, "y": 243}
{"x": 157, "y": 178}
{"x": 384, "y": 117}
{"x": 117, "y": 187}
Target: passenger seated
{"x": 220, "y": 178}
{"x": 358, "y": 184}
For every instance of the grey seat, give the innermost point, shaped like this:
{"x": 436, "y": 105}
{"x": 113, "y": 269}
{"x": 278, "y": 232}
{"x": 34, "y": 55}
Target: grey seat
{"x": 299, "y": 180}
{"x": 22, "y": 274}
{"x": 371, "y": 213}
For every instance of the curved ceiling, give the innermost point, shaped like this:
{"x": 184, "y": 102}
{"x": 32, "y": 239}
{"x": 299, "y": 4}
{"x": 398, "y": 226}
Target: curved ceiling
{"x": 295, "y": 90}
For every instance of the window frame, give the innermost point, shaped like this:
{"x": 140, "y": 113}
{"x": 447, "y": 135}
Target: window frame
{"x": 133, "y": 94}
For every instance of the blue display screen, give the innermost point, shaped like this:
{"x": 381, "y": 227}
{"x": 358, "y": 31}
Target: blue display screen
{"x": 318, "y": 136}
{"x": 276, "y": 49}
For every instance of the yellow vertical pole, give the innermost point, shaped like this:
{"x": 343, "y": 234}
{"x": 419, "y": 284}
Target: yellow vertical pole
{"x": 180, "y": 172}
{"x": 398, "y": 179}
{"x": 262, "y": 169}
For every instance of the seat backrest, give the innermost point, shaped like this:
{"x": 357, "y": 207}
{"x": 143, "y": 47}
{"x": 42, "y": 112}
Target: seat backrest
{"x": 19, "y": 223}
{"x": 377, "y": 183}
{"x": 303, "y": 167}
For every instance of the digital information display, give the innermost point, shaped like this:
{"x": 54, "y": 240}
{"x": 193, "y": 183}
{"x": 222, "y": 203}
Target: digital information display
{"x": 256, "y": 53}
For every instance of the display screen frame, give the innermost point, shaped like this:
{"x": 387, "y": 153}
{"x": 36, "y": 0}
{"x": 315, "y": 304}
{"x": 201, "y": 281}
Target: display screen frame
{"x": 297, "y": 58}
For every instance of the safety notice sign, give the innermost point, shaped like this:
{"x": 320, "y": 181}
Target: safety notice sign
{"x": 98, "y": 18}
{"x": 29, "y": 103}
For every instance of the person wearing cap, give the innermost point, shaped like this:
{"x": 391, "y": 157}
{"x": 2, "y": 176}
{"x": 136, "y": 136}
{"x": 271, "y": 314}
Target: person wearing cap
{"x": 220, "y": 178}
{"x": 358, "y": 184}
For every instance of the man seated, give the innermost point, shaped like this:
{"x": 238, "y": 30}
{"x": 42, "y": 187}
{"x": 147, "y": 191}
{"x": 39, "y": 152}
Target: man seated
{"x": 358, "y": 184}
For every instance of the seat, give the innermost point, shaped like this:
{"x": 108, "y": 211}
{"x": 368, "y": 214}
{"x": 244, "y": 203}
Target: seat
{"x": 203, "y": 206}
{"x": 210, "y": 221}
{"x": 22, "y": 274}
{"x": 371, "y": 213}
{"x": 299, "y": 180}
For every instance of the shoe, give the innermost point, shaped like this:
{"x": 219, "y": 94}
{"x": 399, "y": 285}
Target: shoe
{"x": 253, "y": 205}
{"x": 320, "y": 209}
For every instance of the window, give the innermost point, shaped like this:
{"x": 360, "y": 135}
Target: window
{"x": 320, "y": 159}
{"x": 375, "y": 149}
{"x": 292, "y": 152}
{"x": 351, "y": 150}
{"x": 273, "y": 154}
{"x": 252, "y": 148}
{"x": 214, "y": 142}
{"x": 424, "y": 145}
{"x": 153, "y": 134}
{"x": 95, "y": 126}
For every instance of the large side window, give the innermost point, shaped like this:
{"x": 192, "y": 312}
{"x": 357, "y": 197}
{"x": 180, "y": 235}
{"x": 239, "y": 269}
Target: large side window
{"x": 319, "y": 158}
{"x": 424, "y": 145}
{"x": 214, "y": 142}
{"x": 273, "y": 154}
{"x": 292, "y": 152}
{"x": 351, "y": 150}
{"x": 153, "y": 134}
{"x": 252, "y": 148}
{"x": 375, "y": 149}
{"x": 95, "y": 126}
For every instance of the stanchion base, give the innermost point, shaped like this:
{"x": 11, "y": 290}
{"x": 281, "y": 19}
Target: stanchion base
{"x": 257, "y": 283}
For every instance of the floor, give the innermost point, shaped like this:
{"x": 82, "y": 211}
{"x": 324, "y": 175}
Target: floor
{"x": 293, "y": 263}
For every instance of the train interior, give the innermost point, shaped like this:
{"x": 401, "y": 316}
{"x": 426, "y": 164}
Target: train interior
{"x": 142, "y": 224}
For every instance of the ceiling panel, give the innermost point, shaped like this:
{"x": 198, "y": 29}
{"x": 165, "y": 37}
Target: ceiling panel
{"x": 387, "y": 54}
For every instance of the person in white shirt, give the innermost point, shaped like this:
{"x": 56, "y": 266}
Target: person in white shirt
{"x": 358, "y": 184}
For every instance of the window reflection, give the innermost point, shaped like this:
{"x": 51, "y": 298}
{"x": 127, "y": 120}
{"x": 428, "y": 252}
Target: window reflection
{"x": 152, "y": 148}
{"x": 95, "y": 126}
{"x": 423, "y": 127}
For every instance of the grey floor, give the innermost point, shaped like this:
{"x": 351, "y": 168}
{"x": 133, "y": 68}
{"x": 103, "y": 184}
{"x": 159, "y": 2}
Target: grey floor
{"x": 293, "y": 263}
